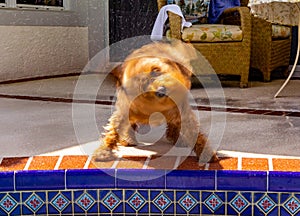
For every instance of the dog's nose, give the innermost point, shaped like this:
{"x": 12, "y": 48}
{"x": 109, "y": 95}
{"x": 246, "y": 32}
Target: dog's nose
{"x": 161, "y": 91}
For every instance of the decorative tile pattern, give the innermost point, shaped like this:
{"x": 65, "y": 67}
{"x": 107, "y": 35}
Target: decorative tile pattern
{"x": 8, "y": 203}
{"x": 213, "y": 202}
{"x": 85, "y": 201}
{"x": 34, "y": 202}
{"x": 276, "y": 198}
{"x": 187, "y": 202}
{"x": 239, "y": 203}
{"x": 111, "y": 201}
{"x": 292, "y": 205}
{"x": 262, "y": 203}
{"x": 162, "y": 201}
{"x": 266, "y": 204}
{"x": 184, "y": 205}
{"x": 60, "y": 202}
{"x": 151, "y": 201}
{"x": 136, "y": 201}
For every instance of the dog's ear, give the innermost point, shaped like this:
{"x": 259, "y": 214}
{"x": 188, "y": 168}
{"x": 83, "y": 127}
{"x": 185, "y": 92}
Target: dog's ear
{"x": 186, "y": 72}
{"x": 117, "y": 72}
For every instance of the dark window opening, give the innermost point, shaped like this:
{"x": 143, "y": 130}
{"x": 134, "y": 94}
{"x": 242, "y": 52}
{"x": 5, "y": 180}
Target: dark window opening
{"x": 57, "y": 3}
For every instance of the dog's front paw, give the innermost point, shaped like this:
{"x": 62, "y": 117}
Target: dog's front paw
{"x": 104, "y": 153}
{"x": 214, "y": 158}
{"x": 128, "y": 142}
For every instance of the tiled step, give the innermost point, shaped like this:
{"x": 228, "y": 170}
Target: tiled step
{"x": 271, "y": 163}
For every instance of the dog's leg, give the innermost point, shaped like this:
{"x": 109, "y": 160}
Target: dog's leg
{"x": 191, "y": 134}
{"x": 203, "y": 149}
{"x": 109, "y": 140}
{"x": 127, "y": 134}
{"x": 117, "y": 131}
{"x": 173, "y": 132}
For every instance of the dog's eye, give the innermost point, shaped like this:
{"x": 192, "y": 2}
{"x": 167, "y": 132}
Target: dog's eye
{"x": 155, "y": 73}
{"x": 161, "y": 91}
{"x": 155, "y": 69}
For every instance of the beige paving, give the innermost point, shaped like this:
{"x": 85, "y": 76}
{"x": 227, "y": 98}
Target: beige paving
{"x": 34, "y": 127}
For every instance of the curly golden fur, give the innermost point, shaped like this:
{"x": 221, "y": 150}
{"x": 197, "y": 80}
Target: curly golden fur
{"x": 151, "y": 81}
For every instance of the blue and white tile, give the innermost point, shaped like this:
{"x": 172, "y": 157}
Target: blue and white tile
{"x": 162, "y": 202}
{"x": 290, "y": 204}
{"x": 239, "y": 203}
{"x": 34, "y": 203}
{"x": 265, "y": 203}
{"x": 59, "y": 202}
{"x": 136, "y": 201}
{"x": 111, "y": 201}
{"x": 9, "y": 204}
{"x": 213, "y": 203}
{"x": 85, "y": 201}
{"x": 187, "y": 202}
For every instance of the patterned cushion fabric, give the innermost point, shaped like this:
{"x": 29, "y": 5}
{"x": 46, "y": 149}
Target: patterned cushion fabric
{"x": 193, "y": 11}
{"x": 212, "y": 33}
{"x": 280, "y": 31}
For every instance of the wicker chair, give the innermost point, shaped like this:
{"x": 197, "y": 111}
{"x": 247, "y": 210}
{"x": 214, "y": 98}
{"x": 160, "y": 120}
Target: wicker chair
{"x": 268, "y": 53}
{"x": 228, "y": 58}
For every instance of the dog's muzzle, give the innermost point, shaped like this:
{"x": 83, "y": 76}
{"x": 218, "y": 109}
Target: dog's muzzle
{"x": 161, "y": 91}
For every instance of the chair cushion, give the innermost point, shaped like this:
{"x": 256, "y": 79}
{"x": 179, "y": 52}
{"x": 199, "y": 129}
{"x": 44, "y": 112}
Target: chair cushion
{"x": 212, "y": 33}
{"x": 280, "y": 31}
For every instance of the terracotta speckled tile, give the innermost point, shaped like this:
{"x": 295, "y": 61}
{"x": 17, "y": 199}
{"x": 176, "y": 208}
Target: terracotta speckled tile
{"x": 155, "y": 162}
{"x": 255, "y": 164}
{"x": 190, "y": 163}
{"x": 73, "y": 162}
{"x": 100, "y": 164}
{"x": 13, "y": 164}
{"x": 225, "y": 164}
{"x": 286, "y": 165}
{"x": 43, "y": 163}
{"x": 131, "y": 162}
{"x": 164, "y": 162}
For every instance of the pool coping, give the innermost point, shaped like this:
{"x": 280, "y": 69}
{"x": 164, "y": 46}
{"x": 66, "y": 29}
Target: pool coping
{"x": 267, "y": 181}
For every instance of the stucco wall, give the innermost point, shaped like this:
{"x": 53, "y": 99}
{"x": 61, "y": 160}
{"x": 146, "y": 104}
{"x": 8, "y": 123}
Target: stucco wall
{"x": 94, "y": 15}
{"x": 44, "y": 43}
{"x": 33, "y": 51}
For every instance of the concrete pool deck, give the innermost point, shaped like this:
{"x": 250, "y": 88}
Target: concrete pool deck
{"x": 38, "y": 121}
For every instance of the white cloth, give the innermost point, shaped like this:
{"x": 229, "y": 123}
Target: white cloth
{"x": 158, "y": 28}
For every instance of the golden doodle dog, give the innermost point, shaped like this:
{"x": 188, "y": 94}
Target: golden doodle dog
{"x": 155, "y": 79}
